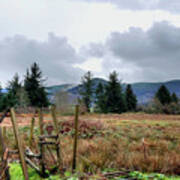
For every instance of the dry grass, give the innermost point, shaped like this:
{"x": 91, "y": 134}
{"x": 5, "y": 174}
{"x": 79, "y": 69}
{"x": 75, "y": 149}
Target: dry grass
{"x": 148, "y": 143}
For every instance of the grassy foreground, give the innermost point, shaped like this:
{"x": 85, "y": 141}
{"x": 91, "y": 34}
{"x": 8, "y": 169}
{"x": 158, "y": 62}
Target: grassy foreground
{"x": 16, "y": 174}
{"x": 135, "y": 142}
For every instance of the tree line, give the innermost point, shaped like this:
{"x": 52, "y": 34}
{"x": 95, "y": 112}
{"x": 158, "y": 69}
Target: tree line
{"x": 109, "y": 98}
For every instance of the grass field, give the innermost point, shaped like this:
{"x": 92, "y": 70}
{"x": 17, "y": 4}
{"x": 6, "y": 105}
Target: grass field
{"x": 135, "y": 142}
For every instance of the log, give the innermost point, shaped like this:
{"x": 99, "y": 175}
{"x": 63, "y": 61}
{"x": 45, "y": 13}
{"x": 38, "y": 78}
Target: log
{"x": 48, "y": 136}
{"x": 47, "y": 143}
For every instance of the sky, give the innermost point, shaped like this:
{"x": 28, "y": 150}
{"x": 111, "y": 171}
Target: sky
{"x": 139, "y": 39}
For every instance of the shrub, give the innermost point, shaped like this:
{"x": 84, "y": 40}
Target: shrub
{"x": 155, "y": 107}
{"x": 87, "y": 129}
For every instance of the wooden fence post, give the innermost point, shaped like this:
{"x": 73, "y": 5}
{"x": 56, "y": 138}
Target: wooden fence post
{"x": 75, "y": 137}
{"x": 2, "y": 144}
{"x": 41, "y": 128}
{"x": 53, "y": 113}
{"x": 19, "y": 144}
{"x": 4, "y": 133}
{"x": 41, "y": 125}
{"x": 31, "y": 131}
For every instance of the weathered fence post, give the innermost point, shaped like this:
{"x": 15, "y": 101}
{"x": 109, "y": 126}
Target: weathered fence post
{"x": 53, "y": 113}
{"x": 4, "y": 133}
{"x": 31, "y": 131}
{"x": 41, "y": 128}
{"x": 41, "y": 125}
{"x": 75, "y": 137}
{"x": 18, "y": 141}
{"x": 2, "y": 145}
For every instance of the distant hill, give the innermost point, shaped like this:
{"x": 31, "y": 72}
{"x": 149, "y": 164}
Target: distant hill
{"x": 60, "y": 88}
{"x": 144, "y": 91}
{"x": 75, "y": 90}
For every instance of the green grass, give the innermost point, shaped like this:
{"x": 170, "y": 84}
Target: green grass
{"x": 17, "y": 174}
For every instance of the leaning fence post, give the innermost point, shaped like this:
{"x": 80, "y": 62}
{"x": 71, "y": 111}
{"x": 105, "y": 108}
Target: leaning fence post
{"x": 53, "y": 113}
{"x": 75, "y": 137}
{"x": 18, "y": 141}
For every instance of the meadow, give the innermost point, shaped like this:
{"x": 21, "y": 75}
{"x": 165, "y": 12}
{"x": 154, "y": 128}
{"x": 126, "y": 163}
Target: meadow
{"x": 130, "y": 142}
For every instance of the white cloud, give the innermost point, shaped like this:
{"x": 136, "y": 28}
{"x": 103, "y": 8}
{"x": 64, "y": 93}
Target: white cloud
{"x": 55, "y": 56}
{"x": 152, "y": 55}
{"x": 79, "y": 21}
{"x": 168, "y": 5}
{"x": 90, "y": 36}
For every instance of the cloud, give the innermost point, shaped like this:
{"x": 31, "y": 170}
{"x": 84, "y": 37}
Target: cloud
{"x": 137, "y": 55}
{"x": 55, "y": 57}
{"x": 152, "y": 55}
{"x": 167, "y": 5}
{"x": 93, "y": 50}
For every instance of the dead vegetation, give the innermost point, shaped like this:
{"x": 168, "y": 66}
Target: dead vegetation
{"x": 147, "y": 143}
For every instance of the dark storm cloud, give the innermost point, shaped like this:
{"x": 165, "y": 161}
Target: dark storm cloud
{"x": 55, "y": 56}
{"x": 155, "y": 52}
{"x": 168, "y": 5}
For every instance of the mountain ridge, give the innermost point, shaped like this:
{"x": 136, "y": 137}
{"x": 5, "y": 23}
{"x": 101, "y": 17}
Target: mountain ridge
{"x": 144, "y": 91}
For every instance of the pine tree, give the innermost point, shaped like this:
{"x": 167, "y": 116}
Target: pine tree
{"x": 10, "y": 99}
{"x": 14, "y": 85}
{"x": 131, "y": 100}
{"x": 86, "y": 90}
{"x": 34, "y": 87}
{"x": 163, "y": 95}
{"x": 100, "y": 98}
{"x": 174, "y": 98}
{"x": 115, "y": 102}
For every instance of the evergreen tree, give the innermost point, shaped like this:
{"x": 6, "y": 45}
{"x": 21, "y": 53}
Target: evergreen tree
{"x": 11, "y": 98}
{"x": 23, "y": 100}
{"x": 13, "y": 88}
{"x": 8, "y": 101}
{"x": 100, "y": 98}
{"x": 86, "y": 90}
{"x": 115, "y": 102}
{"x": 131, "y": 100}
{"x": 34, "y": 87}
{"x": 174, "y": 98}
{"x": 14, "y": 85}
{"x": 163, "y": 95}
